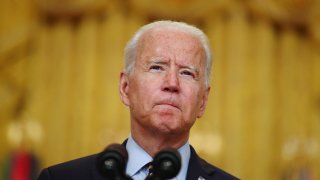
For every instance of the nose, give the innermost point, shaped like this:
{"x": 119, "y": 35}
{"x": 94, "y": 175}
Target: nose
{"x": 171, "y": 82}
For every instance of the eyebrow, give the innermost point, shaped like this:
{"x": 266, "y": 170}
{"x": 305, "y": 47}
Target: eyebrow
{"x": 164, "y": 62}
{"x": 158, "y": 61}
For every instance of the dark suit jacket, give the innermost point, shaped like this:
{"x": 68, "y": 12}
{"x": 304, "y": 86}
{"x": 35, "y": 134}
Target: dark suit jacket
{"x": 85, "y": 169}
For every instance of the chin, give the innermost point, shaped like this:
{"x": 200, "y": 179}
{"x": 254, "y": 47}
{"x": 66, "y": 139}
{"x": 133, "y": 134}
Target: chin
{"x": 168, "y": 131}
{"x": 167, "y": 124}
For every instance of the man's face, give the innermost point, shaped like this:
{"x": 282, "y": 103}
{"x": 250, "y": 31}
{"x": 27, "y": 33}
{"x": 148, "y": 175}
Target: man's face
{"x": 165, "y": 91}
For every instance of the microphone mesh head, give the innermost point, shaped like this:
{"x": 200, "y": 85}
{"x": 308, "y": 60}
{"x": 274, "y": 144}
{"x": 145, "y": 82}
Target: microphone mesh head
{"x": 112, "y": 161}
{"x": 167, "y": 163}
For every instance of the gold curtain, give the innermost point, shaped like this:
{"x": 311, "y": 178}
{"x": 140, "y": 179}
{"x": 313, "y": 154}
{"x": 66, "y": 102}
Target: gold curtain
{"x": 59, "y": 73}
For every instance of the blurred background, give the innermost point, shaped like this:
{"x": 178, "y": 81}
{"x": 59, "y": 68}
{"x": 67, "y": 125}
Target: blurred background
{"x": 60, "y": 62}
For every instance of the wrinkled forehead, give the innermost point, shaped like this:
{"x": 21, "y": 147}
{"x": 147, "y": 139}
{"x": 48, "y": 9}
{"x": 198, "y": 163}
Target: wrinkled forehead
{"x": 170, "y": 39}
{"x": 167, "y": 33}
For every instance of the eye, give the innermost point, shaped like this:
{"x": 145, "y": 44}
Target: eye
{"x": 187, "y": 73}
{"x": 156, "y": 68}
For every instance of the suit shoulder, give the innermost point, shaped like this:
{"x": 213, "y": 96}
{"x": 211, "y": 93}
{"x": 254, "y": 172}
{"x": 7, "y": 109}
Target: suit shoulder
{"x": 74, "y": 169}
{"x": 217, "y": 172}
{"x": 80, "y": 163}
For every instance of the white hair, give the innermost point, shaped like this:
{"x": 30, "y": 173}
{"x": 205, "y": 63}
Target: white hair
{"x": 131, "y": 47}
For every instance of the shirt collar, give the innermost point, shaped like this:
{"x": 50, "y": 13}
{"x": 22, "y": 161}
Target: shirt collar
{"x": 138, "y": 158}
{"x": 185, "y": 157}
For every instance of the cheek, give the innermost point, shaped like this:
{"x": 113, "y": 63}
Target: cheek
{"x": 190, "y": 99}
{"x": 142, "y": 92}
{"x": 193, "y": 101}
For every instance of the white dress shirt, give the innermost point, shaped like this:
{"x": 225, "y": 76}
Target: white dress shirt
{"x": 138, "y": 158}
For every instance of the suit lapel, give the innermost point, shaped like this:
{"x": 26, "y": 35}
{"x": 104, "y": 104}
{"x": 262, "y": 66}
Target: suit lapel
{"x": 198, "y": 169}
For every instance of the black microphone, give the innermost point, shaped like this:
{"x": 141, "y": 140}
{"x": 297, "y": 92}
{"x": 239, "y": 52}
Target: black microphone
{"x": 166, "y": 164}
{"x": 112, "y": 162}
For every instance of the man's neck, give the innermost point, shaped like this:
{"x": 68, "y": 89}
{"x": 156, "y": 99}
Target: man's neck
{"x": 153, "y": 142}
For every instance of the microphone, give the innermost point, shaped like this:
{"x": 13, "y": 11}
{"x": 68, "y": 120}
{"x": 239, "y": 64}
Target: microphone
{"x": 112, "y": 162}
{"x": 166, "y": 164}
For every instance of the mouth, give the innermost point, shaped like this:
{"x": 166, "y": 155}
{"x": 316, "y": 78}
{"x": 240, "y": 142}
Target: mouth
{"x": 168, "y": 104}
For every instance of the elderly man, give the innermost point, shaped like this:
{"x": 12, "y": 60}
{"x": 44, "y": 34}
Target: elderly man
{"x": 165, "y": 84}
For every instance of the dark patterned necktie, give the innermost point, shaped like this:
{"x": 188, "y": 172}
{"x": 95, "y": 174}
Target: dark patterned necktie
{"x": 150, "y": 169}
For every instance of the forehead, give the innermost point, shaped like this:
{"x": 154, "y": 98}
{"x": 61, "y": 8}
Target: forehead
{"x": 169, "y": 35}
{"x": 170, "y": 42}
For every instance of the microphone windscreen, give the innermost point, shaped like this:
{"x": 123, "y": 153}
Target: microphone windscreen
{"x": 119, "y": 149}
{"x": 112, "y": 161}
{"x": 167, "y": 163}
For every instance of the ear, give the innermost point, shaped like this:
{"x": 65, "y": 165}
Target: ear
{"x": 204, "y": 101}
{"x": 124, "y": 88}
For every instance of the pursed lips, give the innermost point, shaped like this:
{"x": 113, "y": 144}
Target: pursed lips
{"x": 167, "y": 103}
